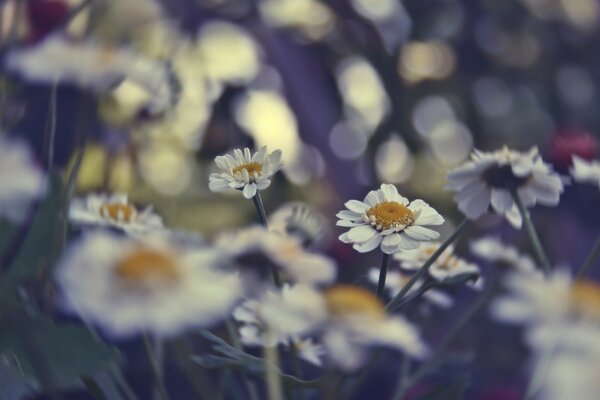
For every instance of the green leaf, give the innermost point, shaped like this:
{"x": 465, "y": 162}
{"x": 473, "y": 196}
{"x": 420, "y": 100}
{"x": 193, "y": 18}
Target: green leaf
{"x": 55, "y": 356}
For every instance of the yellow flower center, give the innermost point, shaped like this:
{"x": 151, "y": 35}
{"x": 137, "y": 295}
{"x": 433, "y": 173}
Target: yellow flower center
{"x": 346, "y": 300}
{"x": 585, "y": 298}
{"x": 390, "y": 214}
{"x": 252, "y": 168}
{"x": 147, "y": 265}
{"x": 117, "y": 211}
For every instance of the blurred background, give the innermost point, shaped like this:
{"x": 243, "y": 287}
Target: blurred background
{"x": 354, "y": 93}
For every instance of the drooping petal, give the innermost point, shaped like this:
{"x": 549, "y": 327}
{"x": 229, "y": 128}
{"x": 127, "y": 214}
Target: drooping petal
{"x": 421, "y": 233}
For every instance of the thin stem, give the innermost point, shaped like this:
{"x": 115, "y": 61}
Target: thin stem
{"x": 382, "y": 274}
{"x": 122, "y": 383}
{"x": 52, "y": 124}
{"x": 540, "y": 372}
{"x": 272, "y": 378}
{"x": 533, "y": 236}
{"x": 446, "y": 340}
{"x": 590, "y": 261}
{"x": 155, "y": 365}
{"x": 260, "y": 209}
{"x": 393, "y": 304}
{"x": 235, "y": 340}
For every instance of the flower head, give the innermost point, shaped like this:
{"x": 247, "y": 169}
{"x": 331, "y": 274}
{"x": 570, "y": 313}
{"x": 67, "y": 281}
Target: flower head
{"x": 489, "y": 178}
{"x": 21, "y": 181}
{"x": 128, "y": 286}
{"x": 586, "y": 171}
{"x": 388, "y": 219}
{"x": 494, "y": 250}
{"x": 114, "y": 211}
{"x": 299, "y": 220}
{"x": 245, "y": 171}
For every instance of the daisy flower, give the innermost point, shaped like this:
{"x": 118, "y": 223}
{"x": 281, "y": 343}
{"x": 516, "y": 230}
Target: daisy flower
{"x": 388, "y": 219}
{"x": 245, "y": 171}
{"x": 494, "y": 250}
{"x": 299, "y": 220}
{"x": 586, "y": 171}
{"x": 128, "y": 287}
{"x": 21, "y": 181}
{"x": 488, "y": 178}
{"x": 114, "y": 211}
{"x": 255, "y": 252}
{"x": 347, "y": 319}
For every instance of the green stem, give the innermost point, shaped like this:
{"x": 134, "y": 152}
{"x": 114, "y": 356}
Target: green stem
{"x": 260, "y": 209}
{"x": 590, "y": 261}
{"x": 155, "y": 365}
{"x": 533, "y": 236}
{"x": 52, "y": 125}
{"x": 446, "y": 340}
{"x": 272, "y": 378}
{"x": 382, "y": 275}
{"x": 397, "y": 300}
{"x": 235, "y": 340}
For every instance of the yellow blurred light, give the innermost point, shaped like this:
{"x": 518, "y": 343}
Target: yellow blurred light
{"x": 375, "y": 9}
{"x": 312, "y": 17}
{"x": 122, "y": 174}
{"x": 167, "y": 169}
{"x": 393, "y": 161}
{"x": 426, "y": 60}
{"x": 581, "y": 13}
{"x": 451, "y": 142}
{"x": 92, "y": 168}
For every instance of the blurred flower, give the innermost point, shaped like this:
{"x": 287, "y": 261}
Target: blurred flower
{"x": 348, "y": 320}
{"x": 396, "y": 280}
{"x": 313, "y": 18}
{"x": 256, "y": 252}
{"x": 114, "y": 211}
{"x": 21, "y": 181}
{"x": 300, "y": 221}
{"x": 245, "y": 171}
{"x": 586, "y": 171}
{"x": 128, "y": 287}
{"x": 386, "y": 218}
{"x": 492, "y": 249}
{"x": 488, "y": 178}
{"x": 572, "y": 143}
{"x": 572, "y": 375}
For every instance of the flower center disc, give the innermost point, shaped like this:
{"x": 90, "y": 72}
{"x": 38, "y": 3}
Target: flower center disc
{"x": 252, "y": 168}
{"x": 502, "y": 177}
{"x": 585, "y": 298}
{"x": 390, "y": 214}
{"x": 145, "y": 265}
{"x": 117, "y": 211}
{"x": 345, "y": 300}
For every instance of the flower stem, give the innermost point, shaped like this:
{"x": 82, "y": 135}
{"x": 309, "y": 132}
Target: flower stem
{"x": 155, "y": 364}
{"x": 382, "y": 274}
{"x": 590, "y": 261}
{"x": 272, "y": 378}
{"x": 393, "y": 304}
{"x": 260, "y": 209}
{"x": 533, "y": 236}
{"x": 235, "y": 340}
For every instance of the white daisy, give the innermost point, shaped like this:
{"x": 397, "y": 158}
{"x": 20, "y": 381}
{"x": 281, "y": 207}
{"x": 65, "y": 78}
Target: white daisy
{"x": 128, "y": 287}
{"x": 348, "y": 320}
{"x": 586, "y": 171}
{"x": 255, "y": 252}
{"x": 487, "y": 180}
{"x": 494, "y": 250}
{"x": 114, "y": 211}
{"x": 245, "y": 171}
{"x": 388, "y": 219}
{"x": 21, "y": 181}
{"x": 299, "y": 220}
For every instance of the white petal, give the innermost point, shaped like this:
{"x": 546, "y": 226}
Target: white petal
{"x": 406, "y": 243}
{"x": 421, "y": 233}
{"x": 361, "y": 233}
{"x": 429, "y": 216}
{"x": 368, "y": 245}
{"x": 501, "y": 200}
{"x": 390, "y": 243}
{"x": 389, "y": 191}
{"x": 356, "y": 206}
{"x": 349, "y": 215}
{"x": 250, "y": 190}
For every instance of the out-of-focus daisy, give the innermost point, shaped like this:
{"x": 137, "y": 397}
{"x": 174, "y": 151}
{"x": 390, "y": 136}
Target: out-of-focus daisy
{"x": 487, "y": 180}
{"x": 492, "y": 249}
{"x": 312, "y": 17}
{"x": 572, "y": 375}
{"x": 396, "y": 280}
{"x": 128, "y": 287}
{"x": 21, "y": 180}
{"x": 299, "y": 220}
{"x": 388, "y": 219}
{"x": 586, "y": 171}
{"x": 114, "y": 211}
{"x": 256, "y": 252}
{"x": 349, "y": 320}
{"x": 245, "y": 171}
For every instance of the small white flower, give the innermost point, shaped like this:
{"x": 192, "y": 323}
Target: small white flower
{"x": 494, "y": 250}
{"x": 114, "y": 211}
{"x": 245, "y": 171}
{"x": 586, "y": 171}
{"x": 21, "y": 180}
{"x": 255, "y": 252}
{"x": 488, "y": 177}
{"x": 388, "y": 219}
{"x": 348, "y": 320}
{"x": 299, "y": 220}
{"x": 129, "y": 287}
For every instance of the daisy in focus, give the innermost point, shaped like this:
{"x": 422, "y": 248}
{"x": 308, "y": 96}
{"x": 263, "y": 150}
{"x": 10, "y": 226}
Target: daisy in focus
{"x": 114, "y": 211}
{"x": 348, "y": 321}
{"x": 21, "y": 181}
{"x": 129, "y": 287}
{"x": 387, "y": 219}
{"x": 494, "y": 250}
{"x": 245, "y": 171}
{"x": 301, "y": 221}
{"x": 256, "y": 252}
{"x": 488, "y": 178}
{"x": 584, "y": 171}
